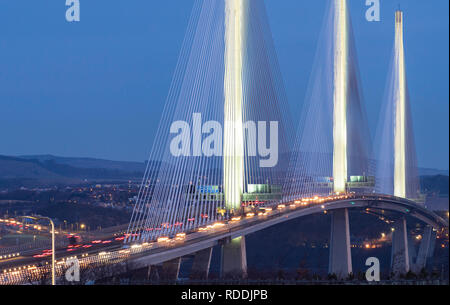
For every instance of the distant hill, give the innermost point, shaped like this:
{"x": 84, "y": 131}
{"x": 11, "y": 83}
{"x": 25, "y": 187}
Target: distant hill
{"x": 13, "y": 168}
{"x": 47, "y": 169}
{"x": 432, "y": 172}
{"x": 436, "y": 184}
{"x": 90, "y": 163}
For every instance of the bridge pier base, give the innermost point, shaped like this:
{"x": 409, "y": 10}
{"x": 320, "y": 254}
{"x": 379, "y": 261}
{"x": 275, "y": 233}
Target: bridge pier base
{"x": 200, "y": 266}
{"x": 425, "y": 249}
{"x": 400, "y": 261}
{"x": 234, "y": 258}
{"x": 340, "y": 261}
{"x": 171, "y": 269}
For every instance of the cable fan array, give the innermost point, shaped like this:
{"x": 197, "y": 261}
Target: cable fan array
{"x": 225, "y": 60}
{"x": 311, "y": 168}
{"x": 227, "y": 99}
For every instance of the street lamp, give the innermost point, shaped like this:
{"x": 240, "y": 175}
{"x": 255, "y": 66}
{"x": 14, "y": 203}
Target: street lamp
{"x": 53, "y": 241}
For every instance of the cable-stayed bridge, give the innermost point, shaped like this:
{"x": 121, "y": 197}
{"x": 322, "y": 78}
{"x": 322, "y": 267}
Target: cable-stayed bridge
{"x": 230, "y": 164}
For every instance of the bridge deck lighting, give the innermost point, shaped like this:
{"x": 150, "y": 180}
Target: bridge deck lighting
{"x": 281, "y": 206}
{"x": 218, "y": 224}
{"x": 250, "y": 215}
{"x": 237, "y": 218}
{"x": 162, "y": 239}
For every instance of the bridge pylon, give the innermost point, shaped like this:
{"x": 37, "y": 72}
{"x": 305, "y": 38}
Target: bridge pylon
{"x": 340, "y": 96}
{"x": 396, "y": 172}
{"x": 332, "y": 150}
{"x": 233, "y": 142}
{"x": 225, "y": 135}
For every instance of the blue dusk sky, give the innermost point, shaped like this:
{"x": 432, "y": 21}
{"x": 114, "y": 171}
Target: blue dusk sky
{"x": 96, "y": 88}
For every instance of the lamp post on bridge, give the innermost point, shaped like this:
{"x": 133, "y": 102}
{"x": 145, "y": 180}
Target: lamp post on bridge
{"x": 53, "y": 240}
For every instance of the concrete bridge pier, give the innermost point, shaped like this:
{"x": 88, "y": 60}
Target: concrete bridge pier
{"x": 340, "y": 261}
{"x": 171, "y": 269}
{"x": 201, "y": 264}
{"x": 234, "y": 258}
{"x": 149, "y": 272}
{"x": 432, "y": 244}
{"x": 412, "y": 251}
{"x": 426, "y": 249}
{"x": 400, "y": 260}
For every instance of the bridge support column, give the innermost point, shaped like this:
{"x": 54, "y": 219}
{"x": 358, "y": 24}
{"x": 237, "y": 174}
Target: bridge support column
{"x": 340, "y": 262}
{"x": 432, "y": 244}
{"x": 400, "y": 251}
{"x": 170, "y": 269}
{"x": 234, "y": 258}
{"x": 153, "y": 274}
{"x": 412, "y": 251}
{"x": 425, "y": 249}
{"x": 200, "y": 266}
